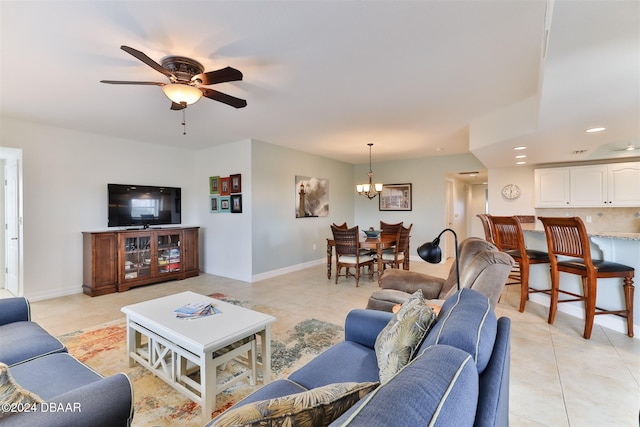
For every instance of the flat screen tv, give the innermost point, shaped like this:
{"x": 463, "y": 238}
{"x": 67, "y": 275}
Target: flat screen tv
{"x": 143, "y": 205}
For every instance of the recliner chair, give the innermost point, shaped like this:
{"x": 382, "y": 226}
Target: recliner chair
{"x": 483, "y": 268}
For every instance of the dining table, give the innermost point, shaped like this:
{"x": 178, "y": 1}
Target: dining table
{"x": 378, "y": 244}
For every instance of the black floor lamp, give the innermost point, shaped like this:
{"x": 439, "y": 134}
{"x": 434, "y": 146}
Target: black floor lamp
{"x": 432, "y": 253}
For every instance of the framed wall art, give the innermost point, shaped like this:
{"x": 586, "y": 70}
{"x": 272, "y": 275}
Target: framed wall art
{"x": 312, "y": 197}
{"x": 395, "y": 197}
{"x": 224, "y": 204}
{"x": 225, "y": 188}
{"x": 236, "y": 203}
{"x": 213, "y": 204}
{"x": 214, "y": 185}
{"x": 236, "y": 183}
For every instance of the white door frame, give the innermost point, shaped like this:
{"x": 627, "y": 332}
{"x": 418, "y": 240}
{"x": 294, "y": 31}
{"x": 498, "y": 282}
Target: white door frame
{"x": 12, "y": 262}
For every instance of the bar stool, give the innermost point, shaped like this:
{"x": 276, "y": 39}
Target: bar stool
{"x": 509, "y": 238}
{"x": 488, "y": 228}
{"x": 568, "y": 237}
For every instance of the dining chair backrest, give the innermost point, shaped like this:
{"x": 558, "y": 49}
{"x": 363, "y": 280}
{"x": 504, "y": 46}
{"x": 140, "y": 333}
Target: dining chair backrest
{"x": 488, "y": 228}
{"x": 346, "y": 240}
{"x": 342, "y": 226}
{"x": 402, "y": 243}
{"x": 387, "y": 228}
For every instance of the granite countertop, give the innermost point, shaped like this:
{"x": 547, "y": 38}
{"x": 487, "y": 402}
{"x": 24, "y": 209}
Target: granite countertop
{"x": 538, "y": 228}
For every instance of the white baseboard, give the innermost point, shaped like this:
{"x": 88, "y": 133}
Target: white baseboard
{"x": 285, "y": 270}
{"x": 40, "y": 296}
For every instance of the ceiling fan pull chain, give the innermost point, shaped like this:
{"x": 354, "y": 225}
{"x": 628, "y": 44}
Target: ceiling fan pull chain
{"x": 184, "y": 120}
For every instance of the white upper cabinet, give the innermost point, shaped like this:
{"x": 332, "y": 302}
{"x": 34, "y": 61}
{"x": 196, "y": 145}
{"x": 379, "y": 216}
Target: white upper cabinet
{"x": 623, "y": 184}
{"x": 588, "y": 185}
{"x": 616, "y": 184}
{"x": 552, "y": 187}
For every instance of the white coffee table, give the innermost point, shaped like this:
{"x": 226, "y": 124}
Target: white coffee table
{"x": 175, "y": 348}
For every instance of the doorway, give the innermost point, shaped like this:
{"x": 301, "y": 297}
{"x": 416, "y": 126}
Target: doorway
{"x": 11, "y": 196}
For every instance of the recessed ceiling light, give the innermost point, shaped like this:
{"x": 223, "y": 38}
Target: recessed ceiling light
{"x": 521, "y": 163}
{"x": 593, "y": 130}
{"x": 520, "y": 148}
{"x": 521, "y": 156}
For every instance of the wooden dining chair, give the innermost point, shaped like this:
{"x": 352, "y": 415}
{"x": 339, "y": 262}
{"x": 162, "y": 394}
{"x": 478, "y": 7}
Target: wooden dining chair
{"x": 396, "y": 257}
{"x": 342, "y": 226}
{"x": 509, "y": 238}
{"x": 347, "y": 247}
{"x": 567, "y": 237}
{"x": 388, "y": 228}
{"x": 488, "y": 228}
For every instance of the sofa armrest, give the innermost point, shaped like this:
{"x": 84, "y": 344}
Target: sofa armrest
{"x": 411, "y": 281}
{"x": 493, "y": 401}
{"x": 104, "y": 403}
{"x": 14, "y": 310}
{"x": 363, "y": 326}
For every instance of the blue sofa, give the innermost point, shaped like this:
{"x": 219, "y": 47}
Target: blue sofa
{"x": 460, "y": 376}
{"x": 72, "y": 393}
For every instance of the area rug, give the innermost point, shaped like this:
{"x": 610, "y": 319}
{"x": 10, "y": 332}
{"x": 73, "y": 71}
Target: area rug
{"x": 103, "y": 348}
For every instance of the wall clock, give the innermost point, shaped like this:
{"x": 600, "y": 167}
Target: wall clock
{"x": 511, "y": 191}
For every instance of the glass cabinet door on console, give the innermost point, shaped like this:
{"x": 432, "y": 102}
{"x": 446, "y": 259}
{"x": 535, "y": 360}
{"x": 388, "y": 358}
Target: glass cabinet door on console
{"x": 137, "y": 257}
{"x": 168, "y": 252}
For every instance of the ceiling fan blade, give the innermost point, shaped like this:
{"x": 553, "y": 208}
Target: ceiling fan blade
{"x": 223, "y": 97}
{"x": 120, "y": 82}
{"x": 227, "y": 74}
{"x": 176, "y": 106}
{"x": 150, "y": 62}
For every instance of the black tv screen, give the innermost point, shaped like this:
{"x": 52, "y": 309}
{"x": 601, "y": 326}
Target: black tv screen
{"x": 143, "y": 205}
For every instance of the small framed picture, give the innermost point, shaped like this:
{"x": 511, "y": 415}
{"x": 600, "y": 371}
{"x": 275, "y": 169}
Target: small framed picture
{"x": 236, "y": 203}
{"x": 236, "y": 183}
{"x": 214, "y": 185}
{"x": 395, "y": 197}
{"x": 213, "y": 204}
{"x": 224, "y": 204}
{"x": 225, "y": 188}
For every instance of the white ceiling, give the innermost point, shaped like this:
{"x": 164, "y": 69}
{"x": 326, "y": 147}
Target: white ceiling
{"x": 417, "y": 79}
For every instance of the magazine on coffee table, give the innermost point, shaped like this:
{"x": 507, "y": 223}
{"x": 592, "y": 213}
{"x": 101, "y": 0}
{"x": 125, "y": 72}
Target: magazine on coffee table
{"x": 195, "y": 309}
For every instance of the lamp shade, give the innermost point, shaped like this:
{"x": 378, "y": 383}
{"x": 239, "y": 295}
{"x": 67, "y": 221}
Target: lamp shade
{"x": 181, "y": 93}
{"x": 431, "y": 252}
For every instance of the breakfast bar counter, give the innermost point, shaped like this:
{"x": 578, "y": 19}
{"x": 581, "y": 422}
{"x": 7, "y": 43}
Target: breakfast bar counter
{"x": 620, "y": 247}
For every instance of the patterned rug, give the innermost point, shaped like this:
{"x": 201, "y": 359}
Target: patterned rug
{"x": 103, "y": 348}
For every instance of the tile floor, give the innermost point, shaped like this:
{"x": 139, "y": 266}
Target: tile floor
{"x": 557, "y": 378}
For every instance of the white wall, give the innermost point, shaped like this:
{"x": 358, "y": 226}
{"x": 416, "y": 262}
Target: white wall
{"x": 428, "y": 177}
{"x": 65, "y": 173}
{"x": 522, "y": 176}
{"x": 281, "y": 241}
{"x": 225, "y": 238}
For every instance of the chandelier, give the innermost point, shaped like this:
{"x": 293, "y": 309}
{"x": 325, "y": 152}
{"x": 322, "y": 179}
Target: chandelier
{"x": 369, "y": 190}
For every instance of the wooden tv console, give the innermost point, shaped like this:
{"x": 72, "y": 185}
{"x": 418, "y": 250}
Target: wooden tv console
{"x": 114, "y": 261}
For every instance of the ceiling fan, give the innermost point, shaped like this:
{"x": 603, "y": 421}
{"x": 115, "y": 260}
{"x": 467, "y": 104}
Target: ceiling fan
{"x": 186, "y": 78}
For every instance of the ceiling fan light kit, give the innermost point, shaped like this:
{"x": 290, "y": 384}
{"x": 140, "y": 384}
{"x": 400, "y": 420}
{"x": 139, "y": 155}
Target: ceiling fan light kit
{"x": 184, "y": 75}
{"x": 181, "y": 93}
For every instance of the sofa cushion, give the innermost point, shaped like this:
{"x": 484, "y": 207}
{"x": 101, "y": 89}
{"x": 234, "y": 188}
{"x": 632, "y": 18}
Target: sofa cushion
{"x": 399, "y": 340}
{"x": 22, "y": 341}
{"x": 317, "y": 407}
{"x": 53, "y": 375}
{"x": 467, "y": 322}
{"x": 17, "y": 398}
{"x": 447, "y": 395}
{"x": 346, "y": 361}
